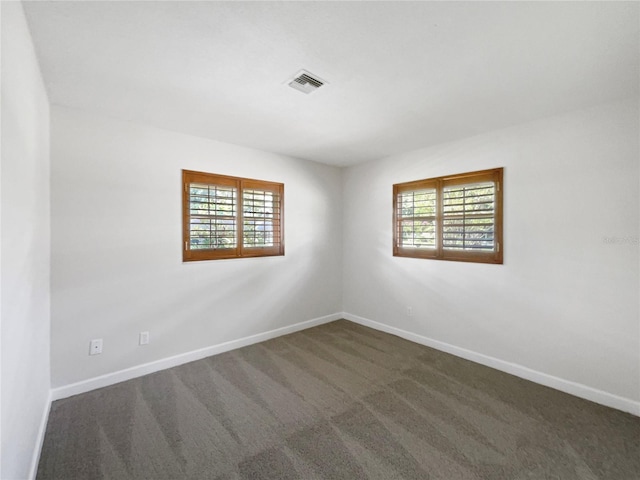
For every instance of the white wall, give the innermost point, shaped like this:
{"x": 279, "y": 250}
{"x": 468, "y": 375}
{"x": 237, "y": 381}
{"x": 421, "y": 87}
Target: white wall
{"x": 565, "y": 302}
{"x": 117, "y": 264}
{"x": 25, "y": 236}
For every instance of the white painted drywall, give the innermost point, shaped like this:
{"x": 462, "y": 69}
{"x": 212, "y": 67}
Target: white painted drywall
{"x": 24, "y": 291}
{"x": 117, "y": 264}
{"x": 565, "y": 302}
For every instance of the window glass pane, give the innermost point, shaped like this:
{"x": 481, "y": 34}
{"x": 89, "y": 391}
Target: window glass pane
{"x": 261, "y": 213}
{"x": 212, "y": 217}
{"x": 469, "y": 217}
{"x": 416, "y": 212}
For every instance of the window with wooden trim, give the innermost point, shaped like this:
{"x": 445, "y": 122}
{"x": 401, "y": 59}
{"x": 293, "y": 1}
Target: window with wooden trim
{"x": 230, "y": 217}
{"x": 457, "y": 217}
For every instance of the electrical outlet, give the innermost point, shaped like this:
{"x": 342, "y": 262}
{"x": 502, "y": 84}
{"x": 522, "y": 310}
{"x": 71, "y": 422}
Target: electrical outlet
{"x": 95, "y": 347}
{"x": 144, "y": 338}
{"x": 409, "y": 311}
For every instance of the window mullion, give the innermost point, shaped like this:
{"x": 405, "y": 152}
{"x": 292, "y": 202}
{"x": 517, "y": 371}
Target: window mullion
{"x": 439, "y": 219}
{"x": 240, "y": 217}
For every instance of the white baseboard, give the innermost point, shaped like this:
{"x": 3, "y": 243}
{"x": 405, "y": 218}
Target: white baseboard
{"x": 35, "y": 460}
{"x": 583, "y": 391}
{"x": 162, "y": 364}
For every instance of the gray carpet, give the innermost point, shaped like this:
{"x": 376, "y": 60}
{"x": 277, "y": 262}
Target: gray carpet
{"x": 339, "y": 401}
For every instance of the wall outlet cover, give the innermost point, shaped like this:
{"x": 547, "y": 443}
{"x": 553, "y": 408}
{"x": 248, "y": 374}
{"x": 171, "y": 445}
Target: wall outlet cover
{"x": 95, "y": 347}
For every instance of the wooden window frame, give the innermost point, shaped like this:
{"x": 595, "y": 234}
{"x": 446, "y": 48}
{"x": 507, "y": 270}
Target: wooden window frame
{"x": 439, "y": 184}
{"x": 240, "y": 250}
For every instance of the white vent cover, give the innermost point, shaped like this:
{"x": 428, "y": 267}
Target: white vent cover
{"x": 306, "y": 82}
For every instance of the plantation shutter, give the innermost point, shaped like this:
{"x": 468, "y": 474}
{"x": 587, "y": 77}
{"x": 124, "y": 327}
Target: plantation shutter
{"x": 415, "y": 210}
{"x": 227, "y": 217}
{"x": 418, "y": 223}
{"x": 458, "y": 217}
{"x": 471, "y": 216}
{"x": 261, "y": 218}
{"x": 212, "y": 216}
{"x": 468, "y": 219}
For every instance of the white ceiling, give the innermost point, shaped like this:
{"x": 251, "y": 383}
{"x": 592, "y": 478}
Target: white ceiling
{"x": 402, "y": 75}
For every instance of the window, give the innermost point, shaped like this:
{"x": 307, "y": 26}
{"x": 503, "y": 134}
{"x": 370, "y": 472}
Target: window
{"x": 229, "y": 217}
{"x": 458, "y": 217}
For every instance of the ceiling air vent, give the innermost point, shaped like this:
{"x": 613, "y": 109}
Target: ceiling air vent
{"x": 306, "y": 82}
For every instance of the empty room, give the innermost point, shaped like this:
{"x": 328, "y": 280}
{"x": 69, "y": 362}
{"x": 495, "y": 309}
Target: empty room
{"x": 320, "y": 240}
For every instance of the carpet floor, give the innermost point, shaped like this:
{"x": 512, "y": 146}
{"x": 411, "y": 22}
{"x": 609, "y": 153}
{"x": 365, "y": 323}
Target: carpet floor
{"x": 338, "y": 401}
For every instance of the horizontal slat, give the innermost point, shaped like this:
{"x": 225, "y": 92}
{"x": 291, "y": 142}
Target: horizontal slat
{"x": 475, "y": 233}
{"x": 414, "y": 220}
{"x": 204, "y": 218}
{"x": 462, "y": 228}
{"x": 469, "y": 219}
{"x": 467, "y": 211}
{"x": 468, "y": 247}
{"x": 467, "y": 238}
{"x": 485, "y": 246}
{"x": 469, "y": 187}
{"x": 448, "y": 241}
{"x": 449, "y": 194}
{"x": 461, "y": 202}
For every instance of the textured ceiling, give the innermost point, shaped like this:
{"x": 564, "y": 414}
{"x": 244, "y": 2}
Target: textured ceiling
{"x": 402, "y": 75}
